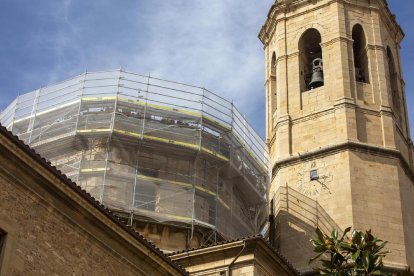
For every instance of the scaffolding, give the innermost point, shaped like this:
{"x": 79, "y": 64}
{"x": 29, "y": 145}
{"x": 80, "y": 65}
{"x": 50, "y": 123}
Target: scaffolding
{"x": 296, "y": 218}
{"x": 150, "y": 149}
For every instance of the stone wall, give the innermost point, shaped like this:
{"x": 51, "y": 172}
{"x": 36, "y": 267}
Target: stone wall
{"x": 42, "y": 241}
{"x": 53, "y": 228}
{"x": 354, "y": 134}
{"x": 247, "y": 257}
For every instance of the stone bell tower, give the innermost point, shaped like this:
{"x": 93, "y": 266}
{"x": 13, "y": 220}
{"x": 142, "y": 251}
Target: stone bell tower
{"x": 337, "y": 125}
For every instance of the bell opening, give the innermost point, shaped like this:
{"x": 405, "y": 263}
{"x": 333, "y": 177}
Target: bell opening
{"x": 360, "y": 54}
{"x": 311, "y": 63}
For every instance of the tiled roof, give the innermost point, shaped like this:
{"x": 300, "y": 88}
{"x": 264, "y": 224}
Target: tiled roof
{"x": 249, "y": 238}
{"x": 32, "y": 153}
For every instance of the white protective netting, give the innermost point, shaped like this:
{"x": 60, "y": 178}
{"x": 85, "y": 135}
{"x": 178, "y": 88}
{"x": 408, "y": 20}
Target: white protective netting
{"x": 150, "y": 148}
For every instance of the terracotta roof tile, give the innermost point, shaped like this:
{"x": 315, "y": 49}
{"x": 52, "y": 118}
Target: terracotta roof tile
{"x": 32, "y": 153}
{"x": 283, "y": 258}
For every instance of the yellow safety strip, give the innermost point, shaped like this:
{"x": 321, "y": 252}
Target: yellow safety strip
{"x": 130, "y": 101}
{"x": 214, "y": 153}
{"x": 223, "y": 203}
{"x": 175, "y": 110}
{"x": 189, "y": 185}
{"x": 216, "y": 122}
{"x": 205, "y": 190}
{"x": 159, "y": 180}
{"x": 95, "y": 170}
{"x": 239, "y": 139}
{"x": 193, "y": 146}
{"x": 47, "y": 111}
{"x": 184, "y": 144}
{"x": 250, "y": 152}
{"x": 93, "y": 130}
{"x": 143, "y": 102}
{"x": 128, "y": 133}
{"x": 151, "y": 213}
{"x": 91, "y": 99}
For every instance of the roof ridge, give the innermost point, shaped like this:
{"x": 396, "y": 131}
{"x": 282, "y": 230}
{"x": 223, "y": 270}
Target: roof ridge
{"x": 215, "y": 244}
{"x": 257, "y": 236}
{"x": 115, "y": 218}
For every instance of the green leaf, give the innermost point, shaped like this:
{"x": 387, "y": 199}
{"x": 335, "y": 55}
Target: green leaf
{"x": 316, "y": 243}
{"x": 366, "y": 261}
{"x": 382, "y": 246}
{"x": 362, "y": 255}
{"x": 327, "y": 264}
{"x": 345, "y": 246}
{"x": 314, "y": 258}
{"x": 320, "y": 248}
{"x": 320, "y": 234}
{"x": 356, "y": 237}
{"x": 356, "y": 255}
{"x": 346, "y": 232}
{"x": 334, "y": 234}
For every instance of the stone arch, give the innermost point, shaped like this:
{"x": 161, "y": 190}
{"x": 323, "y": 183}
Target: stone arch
{"x": 393, "y": 79}
{"x": 273, "y": 65}
{"x": 310, "y": 59}
{"x": 360, "y": 50}
{"x": 273, "y": 83}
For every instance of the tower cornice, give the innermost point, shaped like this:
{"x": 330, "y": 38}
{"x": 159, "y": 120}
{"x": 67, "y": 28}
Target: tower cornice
{"x": 285, "y": 6}
{"x": 344, "y": 146}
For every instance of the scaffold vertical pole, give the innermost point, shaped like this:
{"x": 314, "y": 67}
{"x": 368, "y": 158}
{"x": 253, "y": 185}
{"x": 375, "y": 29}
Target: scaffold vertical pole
{"x": 33, "y": 114}
{"x": 192, "y": 214}
{"x": 201, "y": 121}
{"x": 131, "y": 216}
{"x": 82, "y": 81}
{"x": 216, "y": 201}
{"x": 106, "y": 170}
{"x": 16, "y": 106}
{"x": 116, "y": 103}
{"x": 145, "y": 107}
{"x": 80, "y": 169}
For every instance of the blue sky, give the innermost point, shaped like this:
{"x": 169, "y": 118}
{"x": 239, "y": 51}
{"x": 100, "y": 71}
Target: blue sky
{"x": 211, "y": 43}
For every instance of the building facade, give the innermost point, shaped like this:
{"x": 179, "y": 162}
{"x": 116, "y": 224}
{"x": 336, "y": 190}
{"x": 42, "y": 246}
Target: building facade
{"x": 50, "y": 226}
{"x": 337, "y": 125}
{"x": 179, "y": 163}
{"x": 249, "y": 256}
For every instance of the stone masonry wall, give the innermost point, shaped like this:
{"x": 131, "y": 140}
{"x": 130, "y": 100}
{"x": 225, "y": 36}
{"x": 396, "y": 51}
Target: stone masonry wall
{"x": 44, "y": 242}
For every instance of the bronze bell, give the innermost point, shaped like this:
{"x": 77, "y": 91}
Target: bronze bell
{"x": 317, "y": 74}
{"x": 358, "y": 75}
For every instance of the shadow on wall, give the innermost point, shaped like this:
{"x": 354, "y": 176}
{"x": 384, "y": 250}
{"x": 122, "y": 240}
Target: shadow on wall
{"x": 297, "y": 217}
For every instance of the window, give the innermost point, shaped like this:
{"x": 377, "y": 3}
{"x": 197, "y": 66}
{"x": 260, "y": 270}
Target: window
{"x": 273, "y": 89}
{"x": 360, "y": 54}
{"x": 310, "y": 60}
{"x": 273, "y": 66}
{"x": 393, "y": 78}
{"x": 145, "y": 197}
{"x": 212, "y": 213}
{"x": 2, "y": 244}
{"x": 273, "y": 75}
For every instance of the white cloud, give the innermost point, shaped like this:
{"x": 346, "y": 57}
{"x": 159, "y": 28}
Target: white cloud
{"x": 206, "y": 43}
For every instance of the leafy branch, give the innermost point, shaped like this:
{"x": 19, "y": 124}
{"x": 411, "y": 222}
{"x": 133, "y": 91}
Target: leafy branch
{"x": 361, "y": 254}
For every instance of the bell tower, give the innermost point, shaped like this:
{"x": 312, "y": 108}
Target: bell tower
{"x": 337, "y": 125}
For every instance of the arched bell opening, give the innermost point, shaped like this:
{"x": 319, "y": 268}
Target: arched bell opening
{"x": 273, "y": 88}
{"x": 393, "y": 79}
{"x": 360, "y": 54}
{"x": 310, "y": 60}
